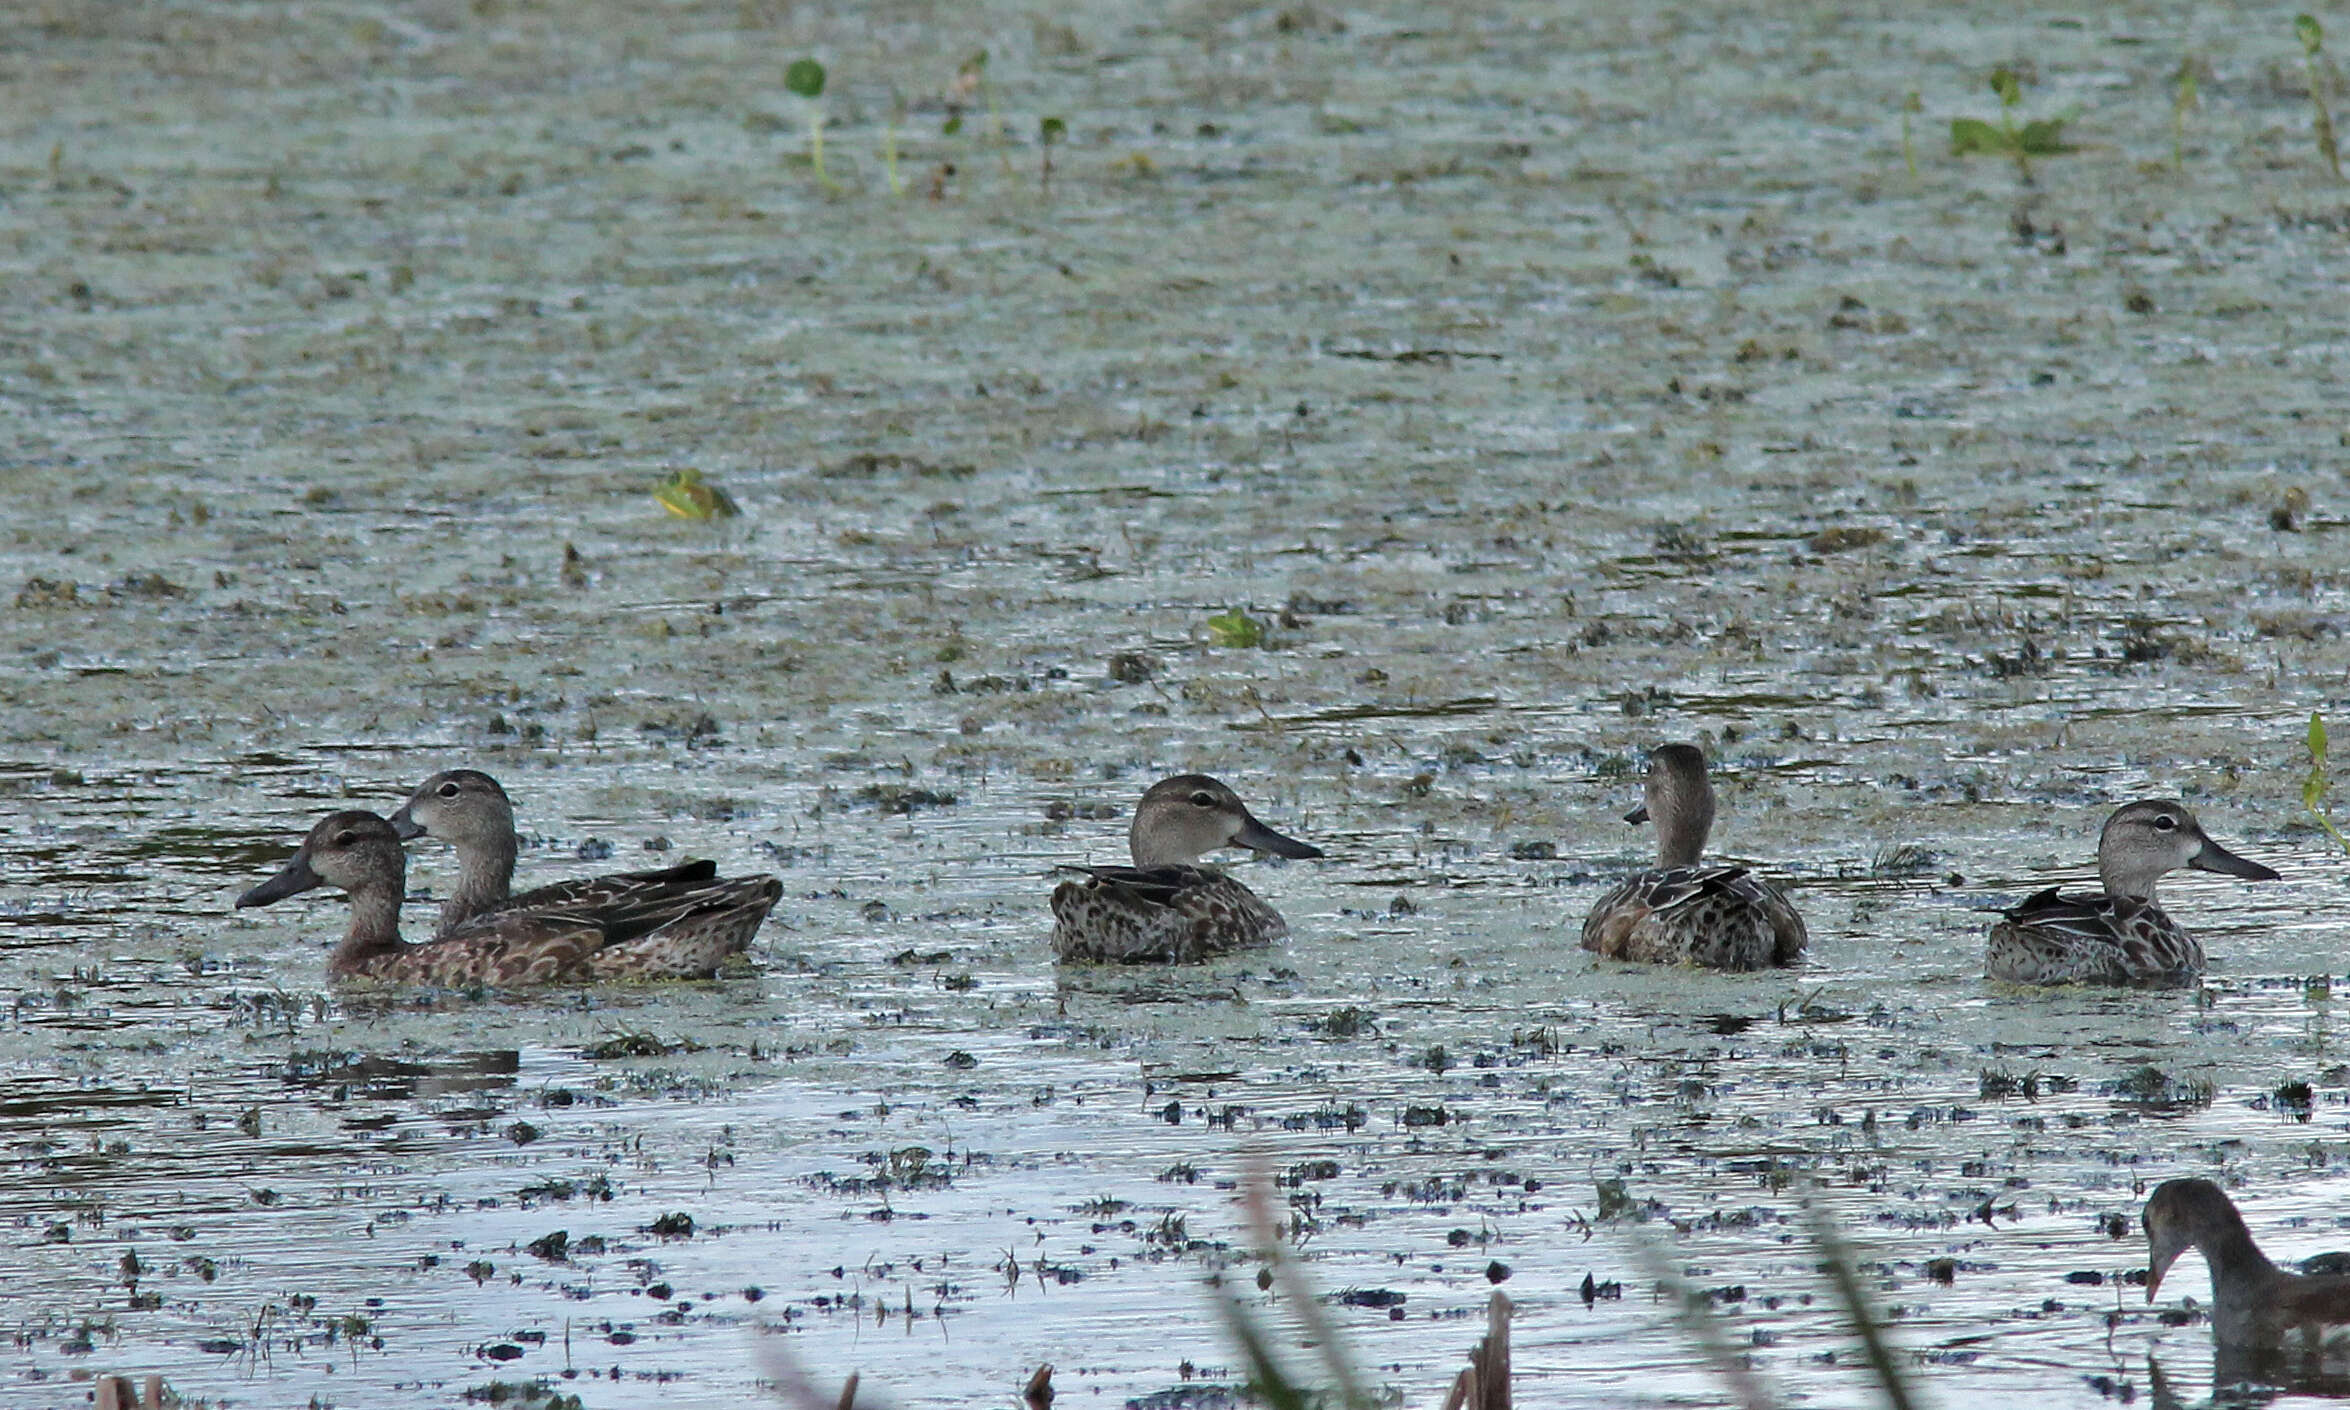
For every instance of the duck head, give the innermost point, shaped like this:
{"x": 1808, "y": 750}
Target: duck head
{"x": 1184, "y": 818}
{"x": 463, "y": 807}
{"x": 354, "y": 851}
{"x": 2185, "y": 1214}
{"x": 2143, "y": 840}
{"x": 1679, "y": 799}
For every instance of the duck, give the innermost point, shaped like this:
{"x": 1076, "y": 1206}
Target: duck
{"x": 1682, "y": 911}
{"x": 1167, "y": 907}
{"x": 470, "y": 811}
{"x": 2255, "y": 1305}
{"x": 2121, "y": 936}
{"x": 360, "y": 854}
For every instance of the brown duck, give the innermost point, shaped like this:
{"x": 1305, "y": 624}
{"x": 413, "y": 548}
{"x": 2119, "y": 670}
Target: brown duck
{"x": 360, "y": 853}
{"x": 1681, "y": 911}
{"x": 2120, "y": 936}
{"x": 468, "y": 810}
{"x": 2254, "y": 1304}
{"x": 1167, "y": 908}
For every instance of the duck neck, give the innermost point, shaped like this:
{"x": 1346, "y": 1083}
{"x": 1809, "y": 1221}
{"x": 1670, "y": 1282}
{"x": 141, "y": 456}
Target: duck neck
{"x": 2238, "y": 1267}
{"x": 1680, "y": 835}
{"x": 485, "y": 878}
{"x": 374, "y": 932}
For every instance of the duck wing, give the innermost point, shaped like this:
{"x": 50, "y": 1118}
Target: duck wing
{"x": 628, "y": 906}
{"x": 498, "y": 949}
{"x": 2295, "y": 1302}
{"x": 1688, "y": 886}
{"x": 1151, "y": 886}
{"x": 594, "y": 892}
{"x": 2089, "y": 917}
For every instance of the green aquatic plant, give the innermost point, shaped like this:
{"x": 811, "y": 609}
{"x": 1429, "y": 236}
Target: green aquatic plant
{"x": 971, "y": 81}
{"x": 2185, "y": 96}
{"x": 2043, "y": 137}
{"x": 1911, "y": 106}
{"x": 687, "y": 495}
{"x": 2321, "y": 121}
{"x": 889, "y": 150}
{"x": 2319, "y": 782}
{"x": 1049, "y": 130}
{"x": 1234, "y": 627}
{"x": 805, "y": 77}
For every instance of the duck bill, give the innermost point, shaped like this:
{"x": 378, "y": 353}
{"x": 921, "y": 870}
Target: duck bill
{"x": 1637, "y": 816}
{"x": 2216, "y": 858}
{"x": 1257, "y": 837}
{"x": 293, "y": 881}
{"x": 2165, "y": 1241}
{"x": 404, "y": 823}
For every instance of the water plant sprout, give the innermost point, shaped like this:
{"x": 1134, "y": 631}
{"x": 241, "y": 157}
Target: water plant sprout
{"x": 1048, "y": 131}
{"x": 889, "y": 150}
{"x": 2184, "y": 96}
{"x": 806, "y": 78}
{"x": 2314, "y": 787}
{"x": 2043, "y": 137}
{"x": 2321, "y": 121}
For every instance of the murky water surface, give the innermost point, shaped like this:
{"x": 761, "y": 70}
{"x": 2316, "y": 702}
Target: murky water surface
{"x": 1550, "y": 383}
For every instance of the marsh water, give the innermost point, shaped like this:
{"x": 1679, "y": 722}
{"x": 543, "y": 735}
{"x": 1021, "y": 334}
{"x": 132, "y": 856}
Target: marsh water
{"x": 1546, "y": 384}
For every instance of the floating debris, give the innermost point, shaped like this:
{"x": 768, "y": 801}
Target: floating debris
{"x": 688, "y": 496}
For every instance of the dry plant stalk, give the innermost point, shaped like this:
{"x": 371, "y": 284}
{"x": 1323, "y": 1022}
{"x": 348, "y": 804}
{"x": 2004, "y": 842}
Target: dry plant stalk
{"x": 1484, "y": 1384}
{"x": 114, "y": 1393}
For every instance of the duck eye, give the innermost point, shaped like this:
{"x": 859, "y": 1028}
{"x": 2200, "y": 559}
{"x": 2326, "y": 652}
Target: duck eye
{"x": 345, "y": 839}
{"x": 1203, "y": 799}
{"x": 2164, "y": 822}
{"x": 448, "y": 790}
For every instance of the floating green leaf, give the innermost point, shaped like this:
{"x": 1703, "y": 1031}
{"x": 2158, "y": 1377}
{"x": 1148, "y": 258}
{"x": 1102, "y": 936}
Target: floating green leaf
{"x": 1236, "y": 628}
{"x": 1051, "y": 130}
{"x": 805, "y": 77}
{"x": 1973, "y": 136}
{"x": 2043, "y": 138}
{"x": 685, "y": 494}
{"x": 2312, "y": 34}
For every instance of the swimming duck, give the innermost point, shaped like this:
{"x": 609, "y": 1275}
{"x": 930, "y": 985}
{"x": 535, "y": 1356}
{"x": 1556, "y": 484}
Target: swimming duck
{"x": 1167, "y": 907}
{"x": 360, "y": 853}
{"x": 1683, "y": 912}
{"x": 2122, "y": 936}
{"x": 468, "y": 810}
{"x": 2254, "y": 1303}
